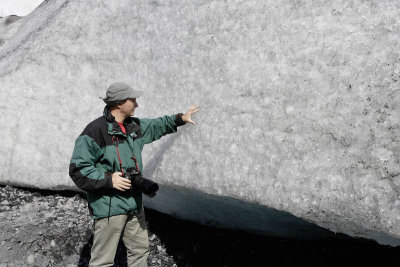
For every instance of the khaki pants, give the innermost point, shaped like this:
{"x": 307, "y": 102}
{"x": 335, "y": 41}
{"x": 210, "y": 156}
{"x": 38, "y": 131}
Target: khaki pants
{"x": 132, "y": 228}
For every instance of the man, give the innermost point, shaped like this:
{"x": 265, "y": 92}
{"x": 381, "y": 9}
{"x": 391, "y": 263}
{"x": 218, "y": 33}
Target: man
{"x": 103, "y": 152}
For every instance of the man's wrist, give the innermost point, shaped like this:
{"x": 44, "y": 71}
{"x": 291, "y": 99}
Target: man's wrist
{"x": 108, "y": 176}
{"x": 179, "y": 119}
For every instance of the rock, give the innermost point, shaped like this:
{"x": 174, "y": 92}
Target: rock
{"x": 303, "y": 101}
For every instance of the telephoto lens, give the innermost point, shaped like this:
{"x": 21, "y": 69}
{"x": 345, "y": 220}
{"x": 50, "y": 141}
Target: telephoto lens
{"x": 147, "y": 186}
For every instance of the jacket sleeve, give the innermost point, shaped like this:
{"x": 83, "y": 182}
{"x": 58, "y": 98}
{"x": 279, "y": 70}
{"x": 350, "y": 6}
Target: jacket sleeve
{"x": 154, "y": 129}
{"x": 82, "y": 168}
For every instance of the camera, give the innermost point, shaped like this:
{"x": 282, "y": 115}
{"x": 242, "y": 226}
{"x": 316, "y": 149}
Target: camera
{"x": 147, "y": 186}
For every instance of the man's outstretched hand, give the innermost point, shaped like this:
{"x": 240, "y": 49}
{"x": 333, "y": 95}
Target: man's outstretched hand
{"x": 187, "y": 117}
{"x": 120, "y": 183}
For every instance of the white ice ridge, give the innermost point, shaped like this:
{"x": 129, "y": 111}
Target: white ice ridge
{"x": 299, "y": 100}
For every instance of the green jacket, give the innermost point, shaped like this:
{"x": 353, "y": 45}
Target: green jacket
{"x": 95, "y": 158}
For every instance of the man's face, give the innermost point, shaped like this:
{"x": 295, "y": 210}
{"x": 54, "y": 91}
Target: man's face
{"x": 128, "y": 108}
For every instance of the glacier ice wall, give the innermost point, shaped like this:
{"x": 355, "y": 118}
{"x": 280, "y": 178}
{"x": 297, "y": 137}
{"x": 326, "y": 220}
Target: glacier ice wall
{"x": 299, "y": 99}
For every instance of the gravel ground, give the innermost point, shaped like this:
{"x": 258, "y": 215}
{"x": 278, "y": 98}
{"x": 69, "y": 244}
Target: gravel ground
{"x": 42, "y": 228}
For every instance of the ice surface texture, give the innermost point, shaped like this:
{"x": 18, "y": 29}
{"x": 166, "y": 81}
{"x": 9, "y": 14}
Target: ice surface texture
{"x": 299, "y": 99}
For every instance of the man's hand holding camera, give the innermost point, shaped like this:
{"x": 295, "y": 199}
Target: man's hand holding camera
{"x": 120, "y": 183}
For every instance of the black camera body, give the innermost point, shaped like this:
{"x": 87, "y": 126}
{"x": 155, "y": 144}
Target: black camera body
{"x": 147, "y": 186}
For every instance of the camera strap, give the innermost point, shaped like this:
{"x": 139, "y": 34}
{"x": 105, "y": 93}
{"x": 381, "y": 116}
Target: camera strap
{"x": 137, "y": 166}
{"x": 119, "y": 157}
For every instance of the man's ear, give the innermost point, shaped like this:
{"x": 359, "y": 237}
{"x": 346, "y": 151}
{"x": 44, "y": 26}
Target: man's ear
{"x": 121, "y": 103}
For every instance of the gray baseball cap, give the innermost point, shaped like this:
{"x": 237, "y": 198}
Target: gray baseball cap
{"x": 120, "y": 91}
